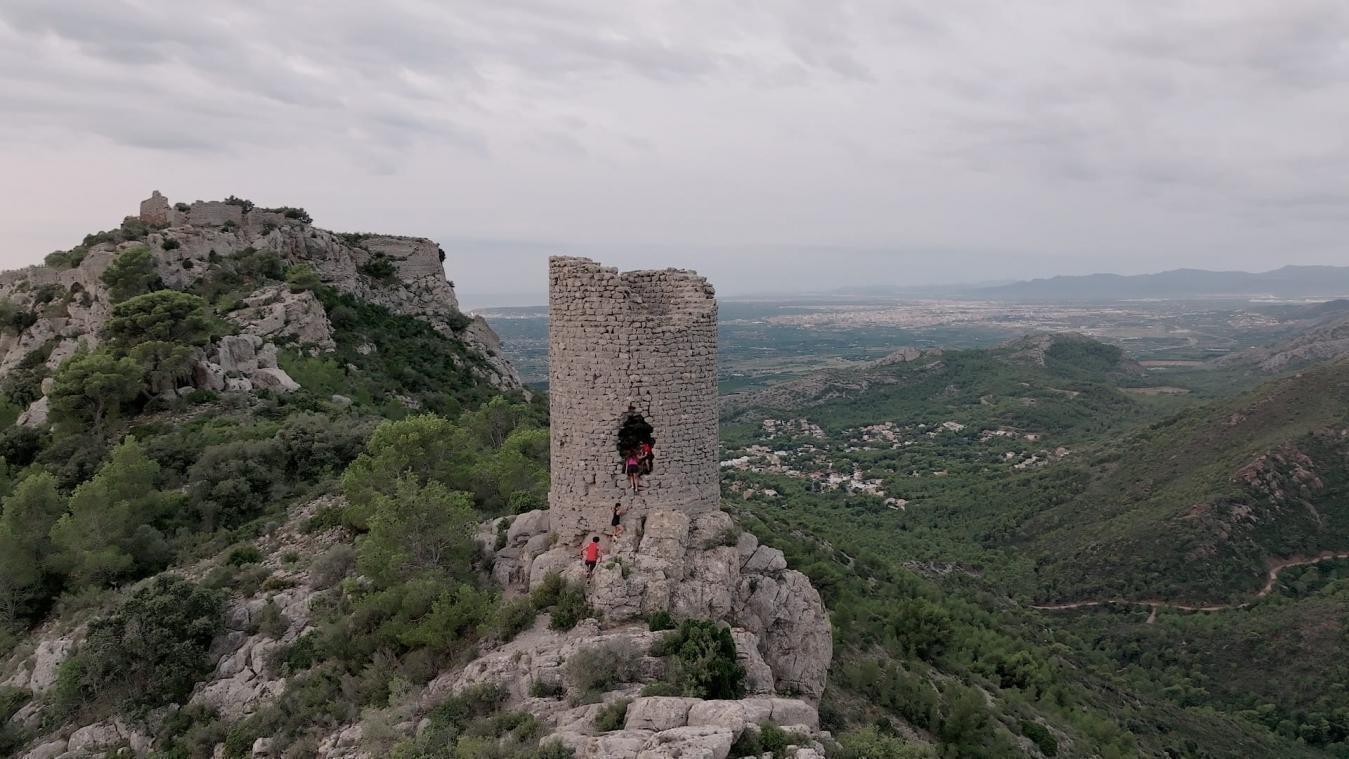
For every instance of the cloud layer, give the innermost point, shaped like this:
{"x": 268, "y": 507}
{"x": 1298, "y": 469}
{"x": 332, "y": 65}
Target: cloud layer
{"x": 1032, "y": 138}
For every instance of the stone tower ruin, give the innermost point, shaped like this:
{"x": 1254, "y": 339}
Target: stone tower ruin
{"x": 630, "y": 353}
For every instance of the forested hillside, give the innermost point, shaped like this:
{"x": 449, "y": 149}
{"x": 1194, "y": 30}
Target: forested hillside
{"x": 936, "y": 501}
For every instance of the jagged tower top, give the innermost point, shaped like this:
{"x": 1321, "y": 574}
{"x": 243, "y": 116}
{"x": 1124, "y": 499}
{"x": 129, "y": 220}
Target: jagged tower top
{"x": 630, "y": 353}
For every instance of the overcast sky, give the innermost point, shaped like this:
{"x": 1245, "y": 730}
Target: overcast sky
{"x": 772, "y": 144}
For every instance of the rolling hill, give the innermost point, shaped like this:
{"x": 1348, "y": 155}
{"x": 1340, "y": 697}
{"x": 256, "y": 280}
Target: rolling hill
{"x": 1181, "y": 284}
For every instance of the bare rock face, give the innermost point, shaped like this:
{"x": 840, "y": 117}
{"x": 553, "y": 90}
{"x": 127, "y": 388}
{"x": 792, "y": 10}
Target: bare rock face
{"x": 276, "y": 312}
{"x": 655, "y": 726}
{"x": 242, "y": 363}
{"x": 693, "y": 567}
{"x": 37, "y": 672}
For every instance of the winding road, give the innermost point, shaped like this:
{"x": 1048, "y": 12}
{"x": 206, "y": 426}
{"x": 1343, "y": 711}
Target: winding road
{"x": 1156, "y": 603}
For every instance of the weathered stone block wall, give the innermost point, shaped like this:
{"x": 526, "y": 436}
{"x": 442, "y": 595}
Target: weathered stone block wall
{"x": 645, "y": 339}
{"x": 214, "y": 213}
{"x": 155, "y": 209}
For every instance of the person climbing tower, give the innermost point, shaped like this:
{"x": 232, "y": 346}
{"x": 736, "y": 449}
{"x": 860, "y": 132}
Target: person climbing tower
{"x": 591, "y": 555}
{"x": 616, "y": 520}
{"x": 646, "y": 455}
{"x": 632, "y": 464}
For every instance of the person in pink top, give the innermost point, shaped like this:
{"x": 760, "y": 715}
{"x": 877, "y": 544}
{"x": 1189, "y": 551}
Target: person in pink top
{"x": 633, "y": 465}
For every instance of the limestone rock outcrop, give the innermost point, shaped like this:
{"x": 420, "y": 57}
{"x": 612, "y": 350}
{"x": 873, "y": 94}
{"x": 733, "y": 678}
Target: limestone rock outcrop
{"x": 695, "y": 566}
{"x": 63, "y": 309}
{"x": 277, "y": 313}
{"x": 654, "y": 726}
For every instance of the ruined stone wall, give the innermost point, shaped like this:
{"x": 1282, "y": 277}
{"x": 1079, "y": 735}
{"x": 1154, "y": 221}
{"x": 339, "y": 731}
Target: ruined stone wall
{"x": 645, "y": 339}
{"x": 155, "y": 209}
{"x": 214, "y": 213}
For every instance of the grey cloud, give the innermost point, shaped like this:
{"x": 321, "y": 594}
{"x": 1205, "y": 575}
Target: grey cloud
{"x": 1210, "y": 128}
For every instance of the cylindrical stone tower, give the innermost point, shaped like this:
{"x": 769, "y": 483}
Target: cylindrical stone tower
{"x": 622, "y": 346}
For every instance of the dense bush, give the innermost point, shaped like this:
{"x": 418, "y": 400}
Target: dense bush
{"x": 871, "y": 743}
{"x": 702, "y": 660}
{"x": 109, "y": 533}
{"x": 566, "y": 600}
{"x": 421, "y": 530}
{"x": 601, "y": 668}
{"x": 65, "y": 259}
{"x": 301, "y": 277}
{"x": 612, "y": 716}
{"x": 147, "y": 653}
{"x": 132, "y": 273}
{"x": 91, "y": 388}
{"x": 380, "y": 267}
{"x": 233, "y": 482}
{"x": 166, "y": 316}
{"x": 25, "y": 549}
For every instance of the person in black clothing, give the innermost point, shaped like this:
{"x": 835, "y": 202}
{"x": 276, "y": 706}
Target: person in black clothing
{"x": 615, "y": 520}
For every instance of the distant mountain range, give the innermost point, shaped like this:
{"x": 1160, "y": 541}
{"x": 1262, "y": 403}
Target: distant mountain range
{"x": 1287, "y": 282}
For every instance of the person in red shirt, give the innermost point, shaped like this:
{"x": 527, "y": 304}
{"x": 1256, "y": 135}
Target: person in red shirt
{"x": 591, "y": 555}
{"x": 647, "y": 455}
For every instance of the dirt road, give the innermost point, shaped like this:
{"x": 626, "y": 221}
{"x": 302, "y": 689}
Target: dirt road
{"x": 1271, "y": 578}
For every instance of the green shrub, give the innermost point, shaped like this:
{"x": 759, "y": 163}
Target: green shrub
{"x": 571, "y": 608}
{"x": 132, "y": 273}
{"x": 548, "y": 591}
{"x": 542, "y": 688}
{"x": 702, "y": 660}
{"x": 304, "y": 653}
{"x": 552, "y": 750}
{"x": 774, "y": 740}
{"x": 512, "y": 618}
{"x": 661, "y": 688}
{"x": 232, "y": 482}
{"x": 601, "y": 668}
{"x": 612, "y": 716}
{"x": 1041, "y": 737}
{"x": 148, "y": 653}
{"x": 660, "y": 620}
{"x": 242, "y": 555}
{"x": 332, "y": 566}
{"x": 301, "y": 277}
{"x": 871, "y": 743}
{"x": 380, "y": 267}
{"x": 171, "y": 244}
{"x": 65, "y": 259}
{"x": 271, "y": 621}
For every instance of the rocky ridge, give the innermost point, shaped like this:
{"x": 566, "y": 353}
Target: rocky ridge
{"x": 1324, "y": 341}
{"x": 403, "y": 274}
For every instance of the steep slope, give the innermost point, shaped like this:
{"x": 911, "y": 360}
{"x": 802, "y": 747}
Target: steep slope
{"x": 1197, "y": 508}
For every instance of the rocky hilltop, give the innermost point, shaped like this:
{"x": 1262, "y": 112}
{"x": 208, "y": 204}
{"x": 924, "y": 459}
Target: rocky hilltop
{"x": 55, "y": 309}
{"x": 1322, "y": 339}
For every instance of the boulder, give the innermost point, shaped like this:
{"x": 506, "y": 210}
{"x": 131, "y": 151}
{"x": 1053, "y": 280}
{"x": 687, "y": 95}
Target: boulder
{"x": 793, "y": 627}
{"x": 659, "y": 713}
{"x": 48, "y": 750}
{"x": 274, "y": 379}
{"x": 37, "y": 413}
{"x": 689, "y": 743}
{"x": 526, "y": 526}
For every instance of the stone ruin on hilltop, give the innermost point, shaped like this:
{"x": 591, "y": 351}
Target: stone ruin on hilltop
{"x": 632, "y": 356}
{"x": 630, "y": 348}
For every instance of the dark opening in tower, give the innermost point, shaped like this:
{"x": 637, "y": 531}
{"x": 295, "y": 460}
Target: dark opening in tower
{"x": 634, "y": 435}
